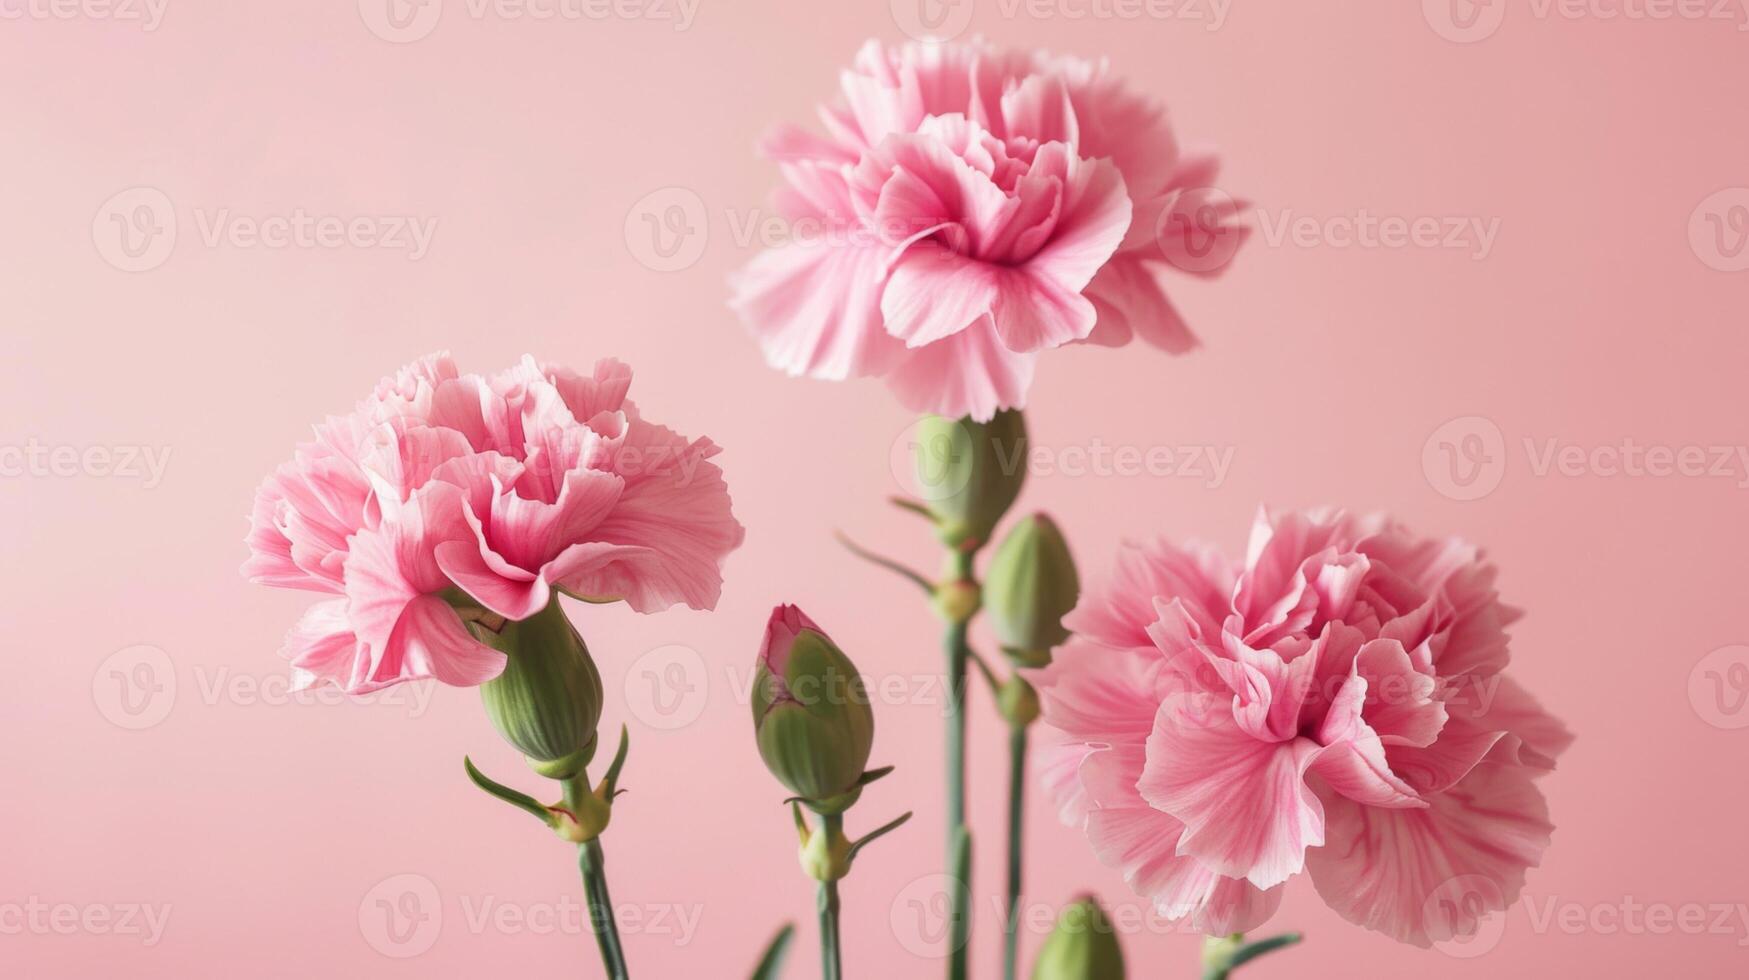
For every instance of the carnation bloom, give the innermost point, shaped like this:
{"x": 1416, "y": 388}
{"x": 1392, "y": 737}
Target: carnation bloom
{"x": 969, "y": 208}
{"x": 1337, "y": 704}
{"x": 446, "y": 495}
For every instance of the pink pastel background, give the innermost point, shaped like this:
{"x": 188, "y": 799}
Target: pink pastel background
{"x": 267, "y": 827}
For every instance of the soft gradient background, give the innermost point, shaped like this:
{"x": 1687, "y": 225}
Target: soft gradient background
{"x": 273, "y": 829}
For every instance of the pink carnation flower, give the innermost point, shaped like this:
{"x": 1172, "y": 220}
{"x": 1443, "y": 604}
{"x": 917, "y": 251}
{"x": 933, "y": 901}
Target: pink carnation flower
{"x": 968, "y": 209}
{"x": 444, "y": 495}
{"x": 1337, "y": 704}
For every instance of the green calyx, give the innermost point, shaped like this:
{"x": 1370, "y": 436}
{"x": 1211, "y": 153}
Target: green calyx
{"x": 1032, "y": 584}
{"x": 1083, "y": 946}
{"x": 547, "y": 702}
{"x": 1018, "y": 702}
{"x": 970, "y": 473}
{"x": 813, "y": 722}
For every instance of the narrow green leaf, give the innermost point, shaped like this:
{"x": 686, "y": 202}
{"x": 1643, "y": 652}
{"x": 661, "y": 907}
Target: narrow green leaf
{"x": 771, "y": 964}
{"x": 1251, "y": 951}
{"x": 521, "y": 801}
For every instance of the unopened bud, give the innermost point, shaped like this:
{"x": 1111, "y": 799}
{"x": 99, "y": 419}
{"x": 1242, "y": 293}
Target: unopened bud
{"x": 547, "y": 702}
{"x": 1084, "y": 946}
{"x": 811, "y": 712}
{"x": 970, "y": 472}
{"x": 1031, "y": 586}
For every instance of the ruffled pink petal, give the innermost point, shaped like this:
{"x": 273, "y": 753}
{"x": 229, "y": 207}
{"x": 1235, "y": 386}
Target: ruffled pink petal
{"x": 1131, "y": 300}
{"x": 1142, "y": 844}
{"x": 1200, "y": 762}
{"x": 1032, "y": 312}
{"x": 1429, "y": 875}
{"x": 675, "y": 511}
{"x": 815, "y": 309}
{"x": 1095, "y": 215}
{"x": 933, "y": 294}
{"x": 1120, "y": 611}
{"x": 322, "y": 647}
{"x": 1101, "y": 695}
{"x": 970, "y": 373}
{"x": 430, "y": 641}
{"x": 1353, "y": 761}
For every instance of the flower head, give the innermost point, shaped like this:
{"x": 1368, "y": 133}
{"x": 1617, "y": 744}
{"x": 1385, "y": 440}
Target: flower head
{"x": 973, "y": 208}
{"x": 1336, "y": 704}
{"x": 446, "y": 495}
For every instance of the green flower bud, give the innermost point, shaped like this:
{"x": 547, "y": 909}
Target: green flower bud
{"x": 811, "y": 712}
{"x": 1084, "y": 946}
{"x": 1031, "y": 586}
{"x": 970, "y": 473}
{"x": 1018, "y": 702}
{"x": 548, "y": 700}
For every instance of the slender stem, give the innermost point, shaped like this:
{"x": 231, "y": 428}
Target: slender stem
{"x": 831, "y": 961}
{"x": 593, "y": 865}
{"x": 1016, "y": 846}
{"x": 959, "y": 835}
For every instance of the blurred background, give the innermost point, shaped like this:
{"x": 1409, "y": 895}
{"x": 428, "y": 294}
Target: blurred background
{"x": 1557, "y": 375}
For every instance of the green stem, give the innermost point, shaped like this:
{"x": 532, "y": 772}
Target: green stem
{"x": 831, "y": 961}
{"x": 958, "y": 842}
{"x": 1016, "y": 846}
{"x": 593, "y": 865}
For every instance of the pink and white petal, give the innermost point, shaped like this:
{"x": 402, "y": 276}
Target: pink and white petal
{"x": 1506, "y": 704}
{"x": 1095, "y": 215}
{"x": 677, "y": 506}
{"x": 431, "y": 641}
{"x": 814, "y": 307}
{"x": 970, "y": 373}
{"x": 1353, "y": 761}
{"x": 1098, "y": 694}
{"x": 511, "y": 592}
{"x": 1142, "y": 843}
{"x": 1429, "y": 875}
{"x": 1056, "y": 764}
{"x": 1130, "y": 287}
{"x": 1032, "y": 312}
{"x": 1199, "y": 763}
{"x": 322, "y": 647}
{"x": 932, "y": 294}
{"x": 1211, "y": 229}
{"x": 1120, "y": 612}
